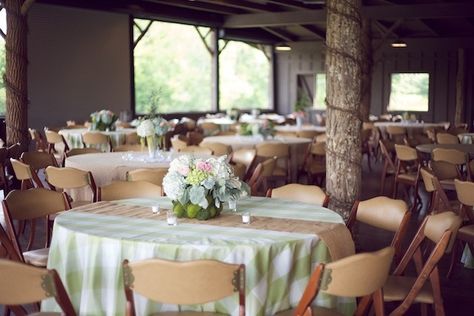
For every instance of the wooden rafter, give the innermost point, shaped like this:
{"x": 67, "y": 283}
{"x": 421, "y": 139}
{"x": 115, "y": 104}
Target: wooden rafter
{"x": 429, "y": 27}
{"x": 287, "y": 37}
{"x": 321, "y": 34}
{"x": 202, "y": 6}
{"x": 203, "y": 38}
{"x": 142, "y": 32}
{"x": 247, "y": 5}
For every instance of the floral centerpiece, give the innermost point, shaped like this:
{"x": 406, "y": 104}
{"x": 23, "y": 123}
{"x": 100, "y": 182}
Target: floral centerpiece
{"x": 199, "y": 187}
{"x": 265, "y": 128}
{"x": 153, "y": 130}
{"x": 103, "y": 120}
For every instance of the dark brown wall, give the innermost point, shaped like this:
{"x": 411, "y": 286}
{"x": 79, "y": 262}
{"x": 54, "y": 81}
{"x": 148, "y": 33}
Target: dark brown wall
{"x": 438, "y": 57}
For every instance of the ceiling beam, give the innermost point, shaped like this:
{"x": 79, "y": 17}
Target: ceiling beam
{"x": 321, "y": 34}
{"x": 287, "y": 37}
{"x": 249, "y": 35}
{"x": 246, "y": 5}
{"x": 387, "y": 12}
{"x": 202, "y": 6}
{"x": 146, "y": 10}
{"x": 429, "y": 26}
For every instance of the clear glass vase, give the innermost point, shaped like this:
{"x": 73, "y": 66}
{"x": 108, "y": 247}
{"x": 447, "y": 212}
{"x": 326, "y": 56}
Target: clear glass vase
{"x": 152, "y": 144}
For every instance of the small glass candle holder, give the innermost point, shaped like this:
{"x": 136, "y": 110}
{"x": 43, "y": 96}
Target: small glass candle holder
{"x": 233, "y": 205}
{"x": 246, "y": 217}
{"x": 171, "y": 218}
{"x": 155, "y": 209}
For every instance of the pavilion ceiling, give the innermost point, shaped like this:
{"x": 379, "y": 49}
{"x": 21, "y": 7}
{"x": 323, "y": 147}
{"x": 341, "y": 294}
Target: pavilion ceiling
{"x": 274, "y": 21}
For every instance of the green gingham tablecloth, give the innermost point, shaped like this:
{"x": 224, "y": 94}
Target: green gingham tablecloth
{"x": 74, "y": 136}
{"x": 87, "y": 249}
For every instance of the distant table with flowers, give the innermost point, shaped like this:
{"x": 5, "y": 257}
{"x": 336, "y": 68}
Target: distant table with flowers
{"x": 74, "y": 136}
{"x": 298, "y": 146}
{"x": 280, "y": 248}
{"x": 295, "y": 128}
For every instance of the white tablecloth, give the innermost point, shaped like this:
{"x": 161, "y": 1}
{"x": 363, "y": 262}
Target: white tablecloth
{"x": 294, "y": 128}
{"x": 412, "y": 128}
{"x": 74, "y": 136}
{"x": 298, "y": 146}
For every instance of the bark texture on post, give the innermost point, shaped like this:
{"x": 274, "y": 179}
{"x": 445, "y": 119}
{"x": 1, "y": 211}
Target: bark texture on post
{"x": 460, "y": 88}
{"x": 367, "y": 63}
{"x": 343, "y": 98}
{"x": 15, "y": 78}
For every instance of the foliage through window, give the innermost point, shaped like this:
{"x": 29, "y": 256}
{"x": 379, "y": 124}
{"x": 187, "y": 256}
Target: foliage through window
{"x": 409, "y": 92}
{"x": 172, "y": 69}
{"x": 320, "y": 92}
{"x": 244, "y": 77}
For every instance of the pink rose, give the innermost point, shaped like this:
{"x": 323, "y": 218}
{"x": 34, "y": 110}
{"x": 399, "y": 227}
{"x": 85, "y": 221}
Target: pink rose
{"x": 204, "y": 166}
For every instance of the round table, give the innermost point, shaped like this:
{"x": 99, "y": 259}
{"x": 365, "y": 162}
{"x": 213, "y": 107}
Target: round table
{"x": 298, "y": 146}
{"x": 428, "y": 148}
{"x": 295, "y": 128}
{"x": 113, "y": 166}
{"x": 74, "y": 136}
{"x": 280, "y": 248}
{"x": 411, "y": 127}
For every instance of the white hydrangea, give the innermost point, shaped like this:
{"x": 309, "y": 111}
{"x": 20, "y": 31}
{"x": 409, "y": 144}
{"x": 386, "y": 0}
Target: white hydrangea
{"x": 146, "y": 128}
{"x": 174, "y": 185}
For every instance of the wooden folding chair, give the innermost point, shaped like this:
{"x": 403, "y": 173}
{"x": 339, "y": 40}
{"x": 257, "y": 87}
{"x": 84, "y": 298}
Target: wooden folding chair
{"x": 25, "y": 174}
{"x": 152, "y": 175}
{"x": 384, "y": 213}
{"x": 243, "y": 160}
{"x": 67, "y": 178}
{"x": 32, "y": 204}
{"x": 217, "y": 149}
{"x": 388, "y": 163}
{"x": 314, "y": 163}
{"x": 310, "y": 194}
{"x": 24, "y": 284}
{"x": 183, "y": 283}
{"x": 424, "y": 288}
{"x": 360, "y": 275}
{"x": 260, "y": 176}
{"x": 120, "y": 190}
{"x": 96, "y": 139}
{"x": 57, "y": 144}
{"x": 446, "y": 138}
{"x": 37, "y": 138}
{"x": 281, "y": 170}
{"x": 407, "y": 171}
{"x": 465, "y": 236}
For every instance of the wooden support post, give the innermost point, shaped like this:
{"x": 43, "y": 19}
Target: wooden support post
{"x": 343, "y": 98}
{"x": 460, "y": 81}
{"x": 215, "y": 69}
{"x": 15, "y": 78}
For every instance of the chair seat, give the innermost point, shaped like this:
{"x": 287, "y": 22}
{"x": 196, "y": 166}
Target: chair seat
{"x": 407, "y": 177}
{"x": 316, "y": 310}
{"x": 447, "y": 184}
{"x": 466, "y": 233}
{"x": 397, "y": 287}
{"x": 38, "y": 257}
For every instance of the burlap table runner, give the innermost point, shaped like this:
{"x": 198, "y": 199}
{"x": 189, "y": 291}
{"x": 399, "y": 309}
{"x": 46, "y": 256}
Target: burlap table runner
{"x": 336, "y": 236}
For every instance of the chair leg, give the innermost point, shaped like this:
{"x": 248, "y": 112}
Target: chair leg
{"x": 395, "y": 188}
{"x": 454, "y": 256}
{"x": 382, "y": 180}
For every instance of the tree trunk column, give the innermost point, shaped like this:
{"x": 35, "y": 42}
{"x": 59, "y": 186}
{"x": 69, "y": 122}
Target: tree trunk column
{"x": 343, "y": 99}
{"x": 15, "y": 78}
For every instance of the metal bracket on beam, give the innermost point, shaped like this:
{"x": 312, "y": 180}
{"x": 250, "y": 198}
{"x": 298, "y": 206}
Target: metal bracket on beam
{"x": 142, "y": 32}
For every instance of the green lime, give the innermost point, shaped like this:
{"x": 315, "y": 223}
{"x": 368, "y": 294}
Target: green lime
{"x": 203, "y": 214}
{"x": 192, "y": 210}
{"x": 179, "y": 210}
{"x": 212, "y": 211}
